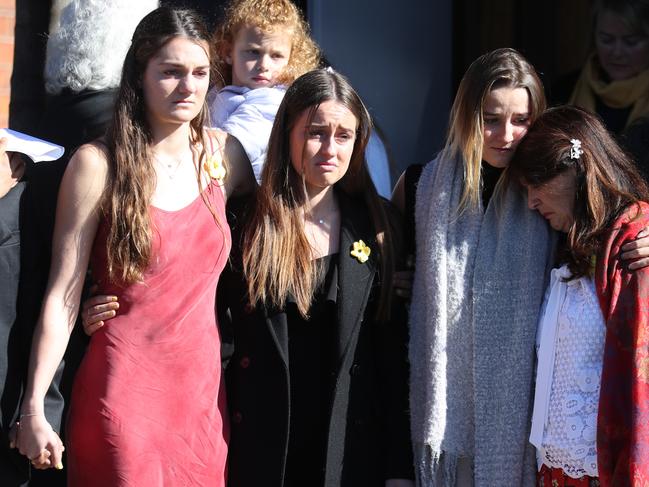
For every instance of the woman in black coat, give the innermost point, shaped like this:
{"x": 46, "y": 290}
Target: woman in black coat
{"x": 354, "y": 387}
{"x": 317, "y": 376}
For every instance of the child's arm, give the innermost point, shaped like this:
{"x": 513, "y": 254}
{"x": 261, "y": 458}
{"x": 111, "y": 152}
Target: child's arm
{"x": 239, "y": 178}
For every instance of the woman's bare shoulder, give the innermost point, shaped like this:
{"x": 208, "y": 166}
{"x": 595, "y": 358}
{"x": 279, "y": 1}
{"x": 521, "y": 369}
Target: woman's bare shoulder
{"x": 87, "y": 172}
{"x": 92, "y": 157}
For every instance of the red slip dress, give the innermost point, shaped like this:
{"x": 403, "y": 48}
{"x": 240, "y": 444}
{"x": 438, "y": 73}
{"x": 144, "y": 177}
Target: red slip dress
{"x": 148, "y": 404}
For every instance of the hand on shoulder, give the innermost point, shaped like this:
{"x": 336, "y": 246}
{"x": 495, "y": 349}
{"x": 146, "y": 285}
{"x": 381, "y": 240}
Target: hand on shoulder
{"x": 239, "y": 178}
{"x": 634, "y": 230}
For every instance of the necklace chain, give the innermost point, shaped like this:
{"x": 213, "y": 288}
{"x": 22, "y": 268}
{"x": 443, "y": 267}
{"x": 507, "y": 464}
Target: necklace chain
{"x": 168, "y": 164}
{"x": 320, "y": 220}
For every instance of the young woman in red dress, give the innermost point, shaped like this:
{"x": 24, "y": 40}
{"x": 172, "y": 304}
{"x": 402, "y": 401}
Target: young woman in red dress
{"x": 592, "y": 386}
{"x": 141, "y": 207}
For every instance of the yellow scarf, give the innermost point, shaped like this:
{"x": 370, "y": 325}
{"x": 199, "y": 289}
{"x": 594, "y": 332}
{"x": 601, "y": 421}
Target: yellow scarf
{"x": 616, "y": 94}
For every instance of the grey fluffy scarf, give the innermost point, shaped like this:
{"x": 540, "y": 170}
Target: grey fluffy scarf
{"x": 479, "y": 283}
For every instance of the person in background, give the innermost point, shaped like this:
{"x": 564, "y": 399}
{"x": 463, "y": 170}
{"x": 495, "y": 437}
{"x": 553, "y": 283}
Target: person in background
{"x": 614, "y": 82}
{"x": 592, "y": 384}
{"x": 68, "y": 61}
{"x": 262, "y": 46}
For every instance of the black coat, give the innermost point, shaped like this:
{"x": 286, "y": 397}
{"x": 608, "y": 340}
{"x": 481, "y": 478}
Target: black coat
{"x": 14, "y": 350}
{"x": 17, "y": 321}
{"x": 368, "y": 433}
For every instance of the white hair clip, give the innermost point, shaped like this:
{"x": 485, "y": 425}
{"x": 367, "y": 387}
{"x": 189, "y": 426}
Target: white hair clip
{"x": 575, "y": 150}
{"x": 330, "y": 70}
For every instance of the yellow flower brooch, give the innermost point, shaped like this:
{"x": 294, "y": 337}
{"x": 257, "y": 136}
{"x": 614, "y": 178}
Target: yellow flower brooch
{"x": 360, "y": 251}
{"x": 214, "y": 167}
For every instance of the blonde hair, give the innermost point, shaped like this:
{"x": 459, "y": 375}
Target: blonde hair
{"x": 267, "y": 15}
{"x": 496, "y": 69}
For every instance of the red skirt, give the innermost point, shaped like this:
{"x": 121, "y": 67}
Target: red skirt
{"x": 554, "y": 477}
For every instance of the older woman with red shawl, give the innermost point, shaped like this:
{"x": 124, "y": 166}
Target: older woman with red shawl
{"x": 591, "y": 406}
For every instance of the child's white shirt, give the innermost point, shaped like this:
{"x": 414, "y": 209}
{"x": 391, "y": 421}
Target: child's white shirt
{"x": 247, "y": 115}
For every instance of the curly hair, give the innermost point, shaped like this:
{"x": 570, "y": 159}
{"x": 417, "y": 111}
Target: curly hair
{"x": 267, "y": 15}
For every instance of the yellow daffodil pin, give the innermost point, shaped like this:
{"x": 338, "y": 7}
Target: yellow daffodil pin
{"x": 361, "y": 251}
{"x": 214, "y": 167}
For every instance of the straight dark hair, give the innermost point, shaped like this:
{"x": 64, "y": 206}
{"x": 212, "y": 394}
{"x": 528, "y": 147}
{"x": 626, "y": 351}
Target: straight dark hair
{"x": 277, "y": 257}
{"x": 607, "y": 181}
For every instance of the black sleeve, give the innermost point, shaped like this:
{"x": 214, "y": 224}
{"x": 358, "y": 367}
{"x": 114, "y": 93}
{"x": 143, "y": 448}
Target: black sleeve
{"x": 27, "y": 85}
{"x": 224, "y": 317}
{"x": 393, "y": 366}
{"x": 229, "y": 279}
{"x": 410, "y": 180}
{"x": 12, "y": 354}
{"x": 394, "y": 372}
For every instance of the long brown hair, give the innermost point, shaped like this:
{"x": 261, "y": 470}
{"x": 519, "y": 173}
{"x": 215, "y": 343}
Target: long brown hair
{"x": 131, "y": 174}
{"x": 607, "y": 181}
{"x": 496, "y": 69}
{"x": 268, "y": 16}
{"x": 277, "y": 257}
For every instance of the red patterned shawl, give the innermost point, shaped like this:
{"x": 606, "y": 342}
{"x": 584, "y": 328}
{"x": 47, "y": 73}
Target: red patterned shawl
{"x": 623, "y": 419}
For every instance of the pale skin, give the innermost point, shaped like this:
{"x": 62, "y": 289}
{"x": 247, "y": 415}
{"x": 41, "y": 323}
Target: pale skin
{"x": 175, "y": 83}
{"x": 506, "y": 117}
{"x": 258, "y": 57}
{"x": 555, "y": 200}
{"x": 321, "y": 150}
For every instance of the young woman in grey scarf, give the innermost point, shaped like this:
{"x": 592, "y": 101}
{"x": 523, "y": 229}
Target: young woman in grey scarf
{"x": 481, "y": 267}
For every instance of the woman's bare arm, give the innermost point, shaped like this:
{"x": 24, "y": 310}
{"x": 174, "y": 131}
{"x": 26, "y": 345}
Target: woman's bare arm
{"x": 77, "y": 218}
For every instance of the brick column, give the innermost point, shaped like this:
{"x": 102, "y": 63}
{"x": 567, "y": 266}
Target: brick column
{"x": 7, "y": 21}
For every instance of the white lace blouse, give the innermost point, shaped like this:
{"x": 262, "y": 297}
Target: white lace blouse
{"x": 570, "y": 346}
